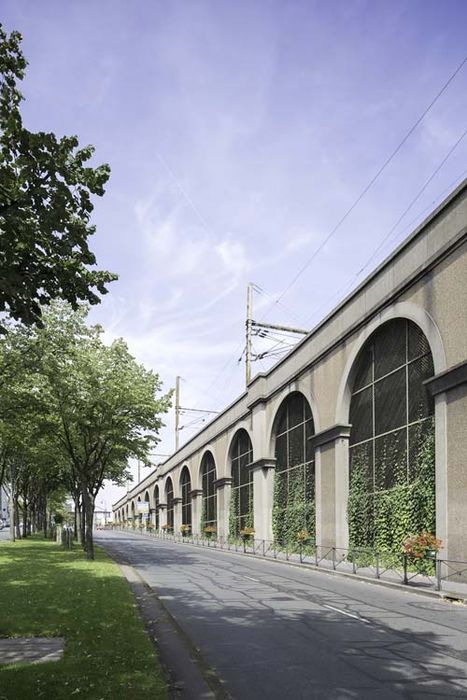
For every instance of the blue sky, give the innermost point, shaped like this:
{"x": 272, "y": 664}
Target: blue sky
{"x": 238, "y": 134}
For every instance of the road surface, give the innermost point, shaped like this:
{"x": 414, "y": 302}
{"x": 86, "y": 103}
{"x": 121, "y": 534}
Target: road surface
{"x": 275, "y": 631}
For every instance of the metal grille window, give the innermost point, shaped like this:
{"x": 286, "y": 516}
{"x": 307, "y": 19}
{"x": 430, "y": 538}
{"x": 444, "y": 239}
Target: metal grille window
{"x": 242, "y": 482}
{"x": 208, "y": 477}
{"x": 295, "y": 469}
{"x": 169, "y": 494}
{"x": 389, "y": 400}
{"x": 156, "y": 507}
{"x": 391, "y": 412}
{"x": 185, "y": 482}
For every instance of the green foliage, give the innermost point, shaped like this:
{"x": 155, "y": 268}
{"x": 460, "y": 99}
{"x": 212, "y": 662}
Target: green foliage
{"x": 46, "y": 186}
{"x": 293, "y": 506}
{"x": 202, "y": 523}
{"x": 76, "y": 404}
{"x": 233, "y": 515}
{"x": 108, "y": 653}
{"x": 384, "y": 519}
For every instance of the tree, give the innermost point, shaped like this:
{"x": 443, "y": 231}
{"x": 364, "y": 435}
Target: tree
{"x": 105, "y": 403}
{"x": 74, "y": 410}
{"x": 45, "y": 207}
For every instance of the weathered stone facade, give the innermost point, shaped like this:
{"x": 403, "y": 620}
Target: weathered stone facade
{"x": 424, "y": 281}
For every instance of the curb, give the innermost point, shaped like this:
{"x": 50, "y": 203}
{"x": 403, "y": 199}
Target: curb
{"x": 189, "y": 676}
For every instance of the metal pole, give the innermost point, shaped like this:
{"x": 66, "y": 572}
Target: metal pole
{"x": 177, "y": 412}
{"x": 249, "y": 321}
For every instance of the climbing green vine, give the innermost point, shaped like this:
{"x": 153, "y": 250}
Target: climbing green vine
{"x": 233, "y": 515}
{"x": 383, "y": 519}
{"x": 293, "y": 505}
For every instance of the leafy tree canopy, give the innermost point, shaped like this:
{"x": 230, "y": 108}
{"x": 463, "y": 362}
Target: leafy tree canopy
{"x": 45, "y": 207}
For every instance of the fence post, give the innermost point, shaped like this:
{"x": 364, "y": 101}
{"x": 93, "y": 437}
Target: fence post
{"x": 334, "y": 558}
{"x": 377, "y": 565}
{"x": 404, "y": 562}
{"x": 301, "y": 552}
{"x": 438, "y": 574}
{"x": 264, "y": 549}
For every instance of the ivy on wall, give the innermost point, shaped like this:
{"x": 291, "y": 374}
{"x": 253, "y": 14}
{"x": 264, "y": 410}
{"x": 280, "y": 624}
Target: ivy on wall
{"x": 233, "y": 514}
{"x": 384, "y": 519}
{"x": 202, "y": 523}
{"x": 293, "y": 505}
{"x": 236, "y": 522}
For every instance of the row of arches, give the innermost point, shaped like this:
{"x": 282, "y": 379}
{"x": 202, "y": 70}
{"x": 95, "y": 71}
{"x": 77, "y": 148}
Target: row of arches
{"x": 391, "y": 416}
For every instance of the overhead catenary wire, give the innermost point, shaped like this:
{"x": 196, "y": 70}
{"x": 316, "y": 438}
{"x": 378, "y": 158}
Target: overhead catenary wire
{"x": 372, "y": 181}
{"x": 356, "y": 275}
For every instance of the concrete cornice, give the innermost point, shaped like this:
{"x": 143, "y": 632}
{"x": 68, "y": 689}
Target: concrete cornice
{"x": 196, "y": 492}
{"x": 264, "y": 463}
{"x": 223, "y": 481}
{"x": 176, "y": 501}
{"x": 452, "y": 377}
{"x": 330, "y": 434}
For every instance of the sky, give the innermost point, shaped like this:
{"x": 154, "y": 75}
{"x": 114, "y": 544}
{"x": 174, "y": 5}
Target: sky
{"x": 238, "y": 135}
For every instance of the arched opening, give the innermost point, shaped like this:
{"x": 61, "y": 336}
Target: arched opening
{"x": 294, "y": 481}
{"x": 241, "y": 498}
{"x": 169, "y": 495}
{"x": 156, "y": 507}
{"x": 185, "y": 487}
{"x": 208, "y": 477}
{"x": 392, "y": 461}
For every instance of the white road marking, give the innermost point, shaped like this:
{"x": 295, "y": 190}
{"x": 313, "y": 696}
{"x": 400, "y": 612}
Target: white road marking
{"x": 251, "y": 579}
{"x": 344, "y": 612}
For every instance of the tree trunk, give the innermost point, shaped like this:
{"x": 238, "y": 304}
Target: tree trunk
{"x": 88, "y": 503}
{"x": 82, "y": 524}
{"x": 25, "y": 519}
{"x": 16, "y": 518}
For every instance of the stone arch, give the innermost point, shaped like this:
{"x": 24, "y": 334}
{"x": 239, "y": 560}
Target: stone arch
{"x": 275, "y": 405}
{"x": 403, "y": 310}
{"x": 294, "y": 477}
{"x": 391, "y": 446}
{"x": 169, "y": 498}
{"x": 240, "y": 454}
{"x": 185, "y": 491}
{"x": 207, "y": 479}
{"x": 156, "y": 498}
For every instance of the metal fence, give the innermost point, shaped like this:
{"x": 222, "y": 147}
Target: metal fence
{"x": 438, "y": 574}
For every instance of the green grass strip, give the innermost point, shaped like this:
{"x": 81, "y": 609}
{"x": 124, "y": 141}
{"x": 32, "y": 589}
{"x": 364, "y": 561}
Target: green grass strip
{"x": 47, "y": 591}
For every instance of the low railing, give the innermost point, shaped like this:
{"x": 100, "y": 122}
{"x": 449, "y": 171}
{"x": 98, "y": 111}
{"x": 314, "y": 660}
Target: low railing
{"x": 440, "y": 574}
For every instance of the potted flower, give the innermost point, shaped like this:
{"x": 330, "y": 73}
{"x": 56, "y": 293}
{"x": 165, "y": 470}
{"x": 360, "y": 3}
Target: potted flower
{"x": 422, "y": 546}
{"x": 166, "y": 528}
{"x": 247, "y": 533}
{"x": 209, "y": 531}
{"x": 303, "y": 537}
{"x": 185, "y": 530}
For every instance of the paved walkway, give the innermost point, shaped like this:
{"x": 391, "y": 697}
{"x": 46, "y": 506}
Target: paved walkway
{"x": 31, "y": 650}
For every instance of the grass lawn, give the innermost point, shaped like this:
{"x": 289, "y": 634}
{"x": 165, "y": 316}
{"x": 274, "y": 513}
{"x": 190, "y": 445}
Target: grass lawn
{"x": 47, "y": 591}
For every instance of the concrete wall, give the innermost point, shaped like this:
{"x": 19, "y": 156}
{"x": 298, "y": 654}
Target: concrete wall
{"x": 425, "y": 281}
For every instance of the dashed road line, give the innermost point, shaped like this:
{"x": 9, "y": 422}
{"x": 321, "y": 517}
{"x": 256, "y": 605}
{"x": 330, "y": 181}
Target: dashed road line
{"x": 344, "y": 612}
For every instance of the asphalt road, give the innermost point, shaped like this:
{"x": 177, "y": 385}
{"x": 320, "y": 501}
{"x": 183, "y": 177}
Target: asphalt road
{"x": 275, "y": 631}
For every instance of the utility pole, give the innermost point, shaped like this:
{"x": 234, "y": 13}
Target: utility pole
{"x": 177, "y": 412}
{"x": 249, "y": 325}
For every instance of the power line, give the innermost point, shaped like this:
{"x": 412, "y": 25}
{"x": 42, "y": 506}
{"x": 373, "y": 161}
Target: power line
{"x": 417, "y": 196}
{"x": 371, "y": 182}
{"x": 356, "y": 275}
